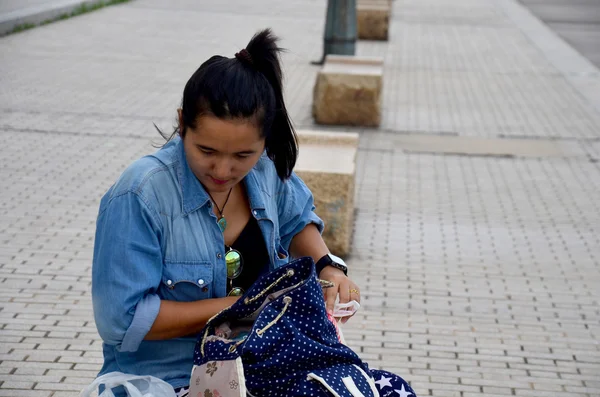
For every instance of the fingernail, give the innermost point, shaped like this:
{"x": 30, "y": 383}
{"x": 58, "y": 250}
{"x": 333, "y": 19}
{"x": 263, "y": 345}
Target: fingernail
{"x": 330, "y": 312}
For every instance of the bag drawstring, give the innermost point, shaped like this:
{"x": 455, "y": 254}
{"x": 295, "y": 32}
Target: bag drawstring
{"x": 289, "y": 273}
{"x": 287, "y": 300}
{"x": 203, "y": 341}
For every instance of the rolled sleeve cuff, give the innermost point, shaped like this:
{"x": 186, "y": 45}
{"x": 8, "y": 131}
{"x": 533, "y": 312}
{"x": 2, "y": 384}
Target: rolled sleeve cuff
{"x": 311, "y": 217}
{"x": 145, "y": 314}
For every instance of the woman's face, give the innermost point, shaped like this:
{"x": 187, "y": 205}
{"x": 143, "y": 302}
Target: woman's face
{"x": 222, "y": 152}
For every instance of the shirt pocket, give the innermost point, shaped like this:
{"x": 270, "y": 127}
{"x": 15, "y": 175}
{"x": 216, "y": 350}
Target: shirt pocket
{"x": 187, "y": 281}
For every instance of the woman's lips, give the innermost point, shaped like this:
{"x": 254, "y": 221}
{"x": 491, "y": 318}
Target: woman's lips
{"x": 218, "y": 181}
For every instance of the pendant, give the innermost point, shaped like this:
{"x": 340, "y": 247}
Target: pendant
{"x": 222, "y": 222}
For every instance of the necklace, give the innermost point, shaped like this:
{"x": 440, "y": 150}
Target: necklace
{"x": 222, "y": 222}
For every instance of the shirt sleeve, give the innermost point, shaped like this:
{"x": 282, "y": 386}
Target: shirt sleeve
{"x": 296, "y": 210}
{"x": 126, "y": 271}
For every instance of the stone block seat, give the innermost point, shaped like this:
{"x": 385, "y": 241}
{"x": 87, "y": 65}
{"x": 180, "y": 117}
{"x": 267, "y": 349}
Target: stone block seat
{"x": 326, "y": 163}
{"x": 373, "y": 20}
{"x": 348, "y": 91}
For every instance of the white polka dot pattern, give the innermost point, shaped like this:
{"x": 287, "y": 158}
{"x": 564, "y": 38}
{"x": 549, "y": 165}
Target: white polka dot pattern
{"x": 298, "y": 339}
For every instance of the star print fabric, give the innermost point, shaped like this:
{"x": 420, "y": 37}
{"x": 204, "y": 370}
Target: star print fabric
{"x": 292, "y": 348}
{"x": 391, "y": 385}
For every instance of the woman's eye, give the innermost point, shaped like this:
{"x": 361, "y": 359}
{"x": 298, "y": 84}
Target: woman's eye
{"x": 207, "y": 152}
{"x": 242, "y": 156}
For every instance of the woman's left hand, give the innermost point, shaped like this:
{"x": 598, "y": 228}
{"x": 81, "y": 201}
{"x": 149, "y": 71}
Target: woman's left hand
{"x": 342, "y": 285}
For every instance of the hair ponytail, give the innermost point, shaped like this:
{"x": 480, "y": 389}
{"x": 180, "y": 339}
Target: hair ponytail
{"x": 281, "y": 141}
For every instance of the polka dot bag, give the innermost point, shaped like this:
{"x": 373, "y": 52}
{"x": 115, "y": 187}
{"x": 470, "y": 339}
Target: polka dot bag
{"x": 277, "y": 340}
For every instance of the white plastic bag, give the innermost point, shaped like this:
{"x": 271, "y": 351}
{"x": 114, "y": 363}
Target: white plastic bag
{"x": 136, "y": 386}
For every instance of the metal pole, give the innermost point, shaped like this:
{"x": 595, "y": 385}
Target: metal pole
{"x": 340, "y": 29}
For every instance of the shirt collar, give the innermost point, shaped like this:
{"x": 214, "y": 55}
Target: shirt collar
{"x": 254, "y": 190}
{"x": 192, "y": 192}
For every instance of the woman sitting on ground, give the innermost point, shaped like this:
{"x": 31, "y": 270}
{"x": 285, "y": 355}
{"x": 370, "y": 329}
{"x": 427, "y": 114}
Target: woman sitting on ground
{"x": 183, "y": 232}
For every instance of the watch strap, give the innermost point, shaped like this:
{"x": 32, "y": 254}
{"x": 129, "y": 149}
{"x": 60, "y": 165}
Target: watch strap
{"x": 331, "y": 260}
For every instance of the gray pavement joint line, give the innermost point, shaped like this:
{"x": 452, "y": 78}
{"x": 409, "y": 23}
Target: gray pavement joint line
{"x": 507, "y": 137}
{"x": 590, "y": 23}
{"x": 244, "y": 13}
{"x": 588, "y": 156}
{"x": 550, "y": 138}
{"x": 569, "y": 62}
{"x": 418, "y": 132}
{"x": 86, "y": 114}
{"x": 585, "y": 157}
{"x": 84, "y": 134}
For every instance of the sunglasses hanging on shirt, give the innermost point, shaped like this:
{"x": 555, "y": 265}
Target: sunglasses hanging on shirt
{"x": 235, "y": 264}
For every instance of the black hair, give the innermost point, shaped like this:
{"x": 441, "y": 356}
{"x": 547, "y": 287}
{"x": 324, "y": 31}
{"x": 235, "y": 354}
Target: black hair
{"x": 247, "y": 86}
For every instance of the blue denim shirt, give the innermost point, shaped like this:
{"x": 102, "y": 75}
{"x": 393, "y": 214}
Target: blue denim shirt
{"x": 157, "y": 238}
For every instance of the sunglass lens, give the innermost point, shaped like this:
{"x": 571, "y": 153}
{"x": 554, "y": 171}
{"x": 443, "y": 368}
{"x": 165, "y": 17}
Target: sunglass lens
{"x": 233, "y": 259}
{"x": 236, "y": 291}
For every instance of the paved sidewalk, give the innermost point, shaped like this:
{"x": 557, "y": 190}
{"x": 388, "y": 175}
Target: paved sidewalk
{"x": 480, "y": 273}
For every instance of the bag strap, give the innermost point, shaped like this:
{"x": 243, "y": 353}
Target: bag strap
{"x": 288, "y": 273}
{"x": 287, "y": 300}
{"x": 247, "y": 301}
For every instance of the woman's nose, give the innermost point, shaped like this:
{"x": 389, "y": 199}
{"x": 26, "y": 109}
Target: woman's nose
{"x": 222, "y": 169}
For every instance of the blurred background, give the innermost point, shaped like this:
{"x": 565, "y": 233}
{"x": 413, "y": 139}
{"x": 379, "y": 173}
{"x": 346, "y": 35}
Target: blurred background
{"x": 475, "y": 234}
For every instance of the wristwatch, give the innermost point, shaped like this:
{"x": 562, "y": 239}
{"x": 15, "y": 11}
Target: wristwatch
{"x": 331, "y": 260}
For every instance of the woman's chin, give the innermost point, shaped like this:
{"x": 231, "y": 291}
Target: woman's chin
{"x": 218, "y": 186}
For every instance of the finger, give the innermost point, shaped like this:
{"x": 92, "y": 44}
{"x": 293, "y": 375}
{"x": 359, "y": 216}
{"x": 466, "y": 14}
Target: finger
{"x": 354, "y": 293}
{"x": 344, "y": 296}
{"x": 344, "y": 292}
{"x": 330, "y": 295}
{"x": 345, "y": 319}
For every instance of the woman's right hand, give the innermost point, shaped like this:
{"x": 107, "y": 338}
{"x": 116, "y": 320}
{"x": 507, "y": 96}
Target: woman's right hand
{"x": 232, "y": 299}
{"x": 179, "y": 319}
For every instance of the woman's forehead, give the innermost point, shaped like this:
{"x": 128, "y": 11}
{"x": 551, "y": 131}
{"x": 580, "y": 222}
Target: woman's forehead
{"x": 227, "y": 134}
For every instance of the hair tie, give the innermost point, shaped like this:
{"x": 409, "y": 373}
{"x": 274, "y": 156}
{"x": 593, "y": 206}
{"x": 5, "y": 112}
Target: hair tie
{"x": 244, "y": 56}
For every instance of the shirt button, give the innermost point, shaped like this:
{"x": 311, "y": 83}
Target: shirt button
{"x": 219, "y": 255}
{"x": 200, "y": 281}
{"x": 169, "y": 282}
{"x": 255, "y": 212}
